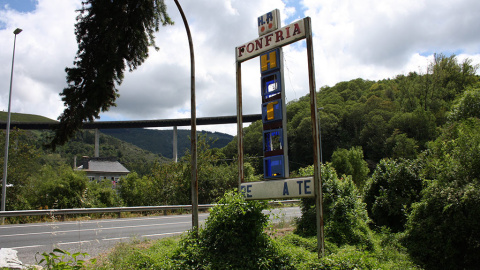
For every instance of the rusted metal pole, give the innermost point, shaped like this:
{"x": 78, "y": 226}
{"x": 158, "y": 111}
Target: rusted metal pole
{"x": 239, "y": 123}
{"x": 194, "y": 183}
{"x": 316, "y": 140}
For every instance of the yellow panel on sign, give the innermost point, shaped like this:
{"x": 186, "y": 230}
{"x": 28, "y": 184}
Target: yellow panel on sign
{"x": 270, "y": 58}
{"x": 270, "y": 110}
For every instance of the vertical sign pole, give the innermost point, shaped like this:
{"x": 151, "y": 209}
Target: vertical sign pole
{"x": 239, "y": 122}
{"x": 316, "y": 142}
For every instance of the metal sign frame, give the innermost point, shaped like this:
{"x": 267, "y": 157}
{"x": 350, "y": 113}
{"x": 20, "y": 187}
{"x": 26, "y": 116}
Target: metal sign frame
{"x": 286, "y": 35}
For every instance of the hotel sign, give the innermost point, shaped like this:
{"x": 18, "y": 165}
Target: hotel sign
{"x": 275, "y": 160}
{"x": 281, "y": 37}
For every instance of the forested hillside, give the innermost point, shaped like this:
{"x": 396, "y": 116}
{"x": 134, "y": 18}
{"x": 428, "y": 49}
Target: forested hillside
{"x": 388, "y": 118}
{"x": 161, "y": 141}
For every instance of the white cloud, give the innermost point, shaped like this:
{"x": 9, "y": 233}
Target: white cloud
{"x": 371, "y": 39}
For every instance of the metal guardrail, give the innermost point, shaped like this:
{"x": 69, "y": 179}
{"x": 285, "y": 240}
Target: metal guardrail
{"x": 54, "y": 212}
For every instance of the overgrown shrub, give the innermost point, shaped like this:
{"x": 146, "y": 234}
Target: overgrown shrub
{"x": 443, "y": 231}
{"x": 393, "y": 187}
{"x": 59, "y": 188}
{"x": 351, "y": 162}
{"x": 467, "y": 105}
{"x": 233, "y": 238}
{"x": 344, "y": 214}
{"x": 101, "y": 194}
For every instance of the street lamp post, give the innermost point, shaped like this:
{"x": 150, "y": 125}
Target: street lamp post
{"x": 193, "y": 134}
{"x": 7, "y": 136}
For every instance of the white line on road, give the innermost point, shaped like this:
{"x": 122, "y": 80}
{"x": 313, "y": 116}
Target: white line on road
{"x": 96, "y": 229}
{"x": 61, "y": 223}
{"x": 107, "y": 239}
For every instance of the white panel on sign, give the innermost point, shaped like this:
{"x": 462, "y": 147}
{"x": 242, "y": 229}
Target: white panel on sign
{"x": 283, "y": 36}
{"x": 269, "y": 22}
{"x": 279, "y": 189}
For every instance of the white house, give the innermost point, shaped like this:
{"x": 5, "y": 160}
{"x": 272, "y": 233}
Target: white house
{"x": 99, "y": 168}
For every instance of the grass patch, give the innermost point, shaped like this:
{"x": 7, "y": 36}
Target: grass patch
{"x": 139, "y": 255}
{"x": 238, "y": 235}
{"x": 297, "y": 252}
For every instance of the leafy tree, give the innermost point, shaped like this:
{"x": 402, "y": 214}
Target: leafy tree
{"x": 133, "y": 190}
{"x": 214, "y": 176}
{"x": 374, "y": 137}
{"x": 443, "y": 228}
{"x": 300, "y": 144}
{"x": 110, "y": 35}
{"x": 169, "y": 183}
{"x": 233, "y": 237}
{"x": 350, "y": 162}
{"x": 454, "y": 156}
{"x": 344, "y": 214}
{"x": 401, "y": 146}
{"x": 58, "y": 188}
{"x": 23, "y": 162}
{"x": 393, "y": 187}
{"x": 467, "y": 105}
{"x": 101, "y": 194}
{"x": 253, "y": 145}
{"x": 419, "y": 125}
{"x": 446, "y": 219}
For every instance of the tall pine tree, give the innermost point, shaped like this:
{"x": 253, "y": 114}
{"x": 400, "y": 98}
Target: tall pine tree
{"x": 110, "y": 35}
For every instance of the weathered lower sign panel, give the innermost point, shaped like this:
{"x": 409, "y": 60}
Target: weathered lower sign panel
{"x": 279, "y": 189}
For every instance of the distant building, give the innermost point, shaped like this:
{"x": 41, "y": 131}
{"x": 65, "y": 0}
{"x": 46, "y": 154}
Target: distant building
{"x": 99, "y": 168}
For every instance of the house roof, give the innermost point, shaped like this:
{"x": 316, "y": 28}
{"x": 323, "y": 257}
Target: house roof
{"x": 103, "y": 165}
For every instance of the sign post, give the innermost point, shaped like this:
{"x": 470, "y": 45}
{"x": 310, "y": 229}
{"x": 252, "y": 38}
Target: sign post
{"x": 278, "y": 185}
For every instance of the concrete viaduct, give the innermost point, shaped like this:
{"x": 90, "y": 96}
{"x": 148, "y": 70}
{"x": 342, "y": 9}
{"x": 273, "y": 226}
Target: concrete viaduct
{"x": 139, "y": 124}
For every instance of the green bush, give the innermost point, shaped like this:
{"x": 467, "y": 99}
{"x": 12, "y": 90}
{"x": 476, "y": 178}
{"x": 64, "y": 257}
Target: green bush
{"x": 60, "y": 259}
{"x": 102, "y": 194}
{"x": 443, "y": 230}
{"x": 393, "y": 187}
{"x": 467, "y": 105}
{"x": 233, "y": 238}
{"x": 351, "y": 162}
{"x": 348, "y": 257}
{"x": 344, "y": 214}
{"x": 59, "y": 188}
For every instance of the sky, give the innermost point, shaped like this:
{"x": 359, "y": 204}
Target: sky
{"x": 368, "y": 39}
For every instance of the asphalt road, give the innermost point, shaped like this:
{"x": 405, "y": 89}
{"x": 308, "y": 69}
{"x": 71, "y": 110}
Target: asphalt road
{"x": 97, "y": 236}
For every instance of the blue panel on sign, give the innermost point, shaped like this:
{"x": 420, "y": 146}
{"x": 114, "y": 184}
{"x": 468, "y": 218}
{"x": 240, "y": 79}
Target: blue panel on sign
{"x": 272, "y": 140}
{"x": 271, "y": 84}
{"x": 274, "y": 167}
{"x": 272, "y": 111}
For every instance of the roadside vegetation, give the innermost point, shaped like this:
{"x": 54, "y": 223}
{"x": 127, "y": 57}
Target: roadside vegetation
{"x": 401, "y": 170}
{"x": 236, "y": 236}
